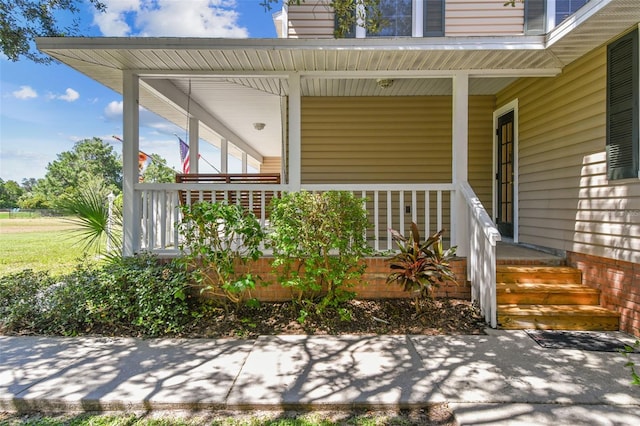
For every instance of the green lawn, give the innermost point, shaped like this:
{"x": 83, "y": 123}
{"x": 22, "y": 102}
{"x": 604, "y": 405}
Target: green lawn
{"x": 38, "y": 243}
{"x": 245, "y": 419}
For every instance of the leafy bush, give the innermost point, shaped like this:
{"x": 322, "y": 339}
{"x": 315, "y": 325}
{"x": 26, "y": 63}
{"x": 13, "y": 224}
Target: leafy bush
{"x": 420, "y": 266}
{"x": 318, "y": 243}
{"x": 150, "y": 297}
{"x": 19, "y": 310}
{"x": 136, "y": 296}
{"x": 219, "y": 240}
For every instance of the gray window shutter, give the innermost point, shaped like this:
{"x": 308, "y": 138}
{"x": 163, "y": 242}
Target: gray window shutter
{"x": 433, "y": 21}
{"x": 622, "y": 108}
{"x": 534, "y": 17}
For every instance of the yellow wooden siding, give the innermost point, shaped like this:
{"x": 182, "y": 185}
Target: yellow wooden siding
{"x": 270, "y": 165}
{"x": 311, "y": 19}
{"x": 566, "y": 201}
{"x": 394, "y": 140}
{"x": 483, "y": 17}
{"x": 376, "y": 139}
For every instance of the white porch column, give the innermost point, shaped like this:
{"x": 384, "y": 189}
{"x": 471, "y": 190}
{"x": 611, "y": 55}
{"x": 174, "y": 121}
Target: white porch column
{"x": 130, "y": 147}
{"x": 460, "y": 155}
{"x": 224, "y": 156}
{"x": 295, "y": 143}
{"x": 194, "y": 144}
{"x": 244, "y": 162}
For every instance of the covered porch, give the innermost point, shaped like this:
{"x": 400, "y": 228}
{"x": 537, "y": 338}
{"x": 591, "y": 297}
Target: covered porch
{"x": 311, "y": 112}
{"x": 222, "y": 91}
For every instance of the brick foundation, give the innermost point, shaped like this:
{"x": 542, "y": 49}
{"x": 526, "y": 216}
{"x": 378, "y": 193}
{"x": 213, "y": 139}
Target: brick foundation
{"x": 373, "y": 285}
{"x": 618, "y": 282}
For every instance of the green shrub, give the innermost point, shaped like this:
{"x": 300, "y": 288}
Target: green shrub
{"x": 219, "y": 240}
{"x": 19, "y": 300}
{"x": 163, "y": 303}
{"x": 135, "y": 296}
{"x": 318, "y": 243}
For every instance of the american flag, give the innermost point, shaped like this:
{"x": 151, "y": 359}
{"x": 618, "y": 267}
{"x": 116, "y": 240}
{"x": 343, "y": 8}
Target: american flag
{"x": 184, "y": 156}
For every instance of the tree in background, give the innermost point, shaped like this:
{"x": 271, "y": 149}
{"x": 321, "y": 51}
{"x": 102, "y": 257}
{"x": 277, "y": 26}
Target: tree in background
{"x": 158, "y": 171}
{"x": 10, "y": 193}
{"x": 88, "y": 161}
{"x": 21, "y": 21}
{"x": 28, "y": 185}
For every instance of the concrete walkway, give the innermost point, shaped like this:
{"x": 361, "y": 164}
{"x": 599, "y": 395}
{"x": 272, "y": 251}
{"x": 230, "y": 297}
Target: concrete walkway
{"x": 503, "y": 377}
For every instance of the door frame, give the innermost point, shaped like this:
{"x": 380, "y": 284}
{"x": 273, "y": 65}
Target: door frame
{"x": 511, "y": 106}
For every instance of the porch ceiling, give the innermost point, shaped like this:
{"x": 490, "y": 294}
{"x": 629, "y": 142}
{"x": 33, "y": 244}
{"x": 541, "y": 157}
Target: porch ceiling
{"x": 238, "y": 82}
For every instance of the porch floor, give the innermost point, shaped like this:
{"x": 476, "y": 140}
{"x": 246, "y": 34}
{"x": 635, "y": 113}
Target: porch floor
{"x": 514, "y": 254}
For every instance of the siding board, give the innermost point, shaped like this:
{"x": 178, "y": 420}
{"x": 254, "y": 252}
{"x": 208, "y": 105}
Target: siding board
{"x": 311, "y": 19}
{"x": 270, "y": 165}
{"x": 393, "y": 140}
{"x": 566, "y": 200}
{"x": 483, "y": 17}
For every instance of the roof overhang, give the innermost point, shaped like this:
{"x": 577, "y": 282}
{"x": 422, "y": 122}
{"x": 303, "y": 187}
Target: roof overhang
{"x": 328, "y": 67}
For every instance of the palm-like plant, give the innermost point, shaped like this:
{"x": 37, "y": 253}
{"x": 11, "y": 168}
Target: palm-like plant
{"x": 420, "y": 267}
{"x": 89, "y": 210}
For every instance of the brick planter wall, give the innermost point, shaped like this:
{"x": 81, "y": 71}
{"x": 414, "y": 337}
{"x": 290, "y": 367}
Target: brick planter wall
{"x": 374, "y": 277}
{"x": 618, "y": 282}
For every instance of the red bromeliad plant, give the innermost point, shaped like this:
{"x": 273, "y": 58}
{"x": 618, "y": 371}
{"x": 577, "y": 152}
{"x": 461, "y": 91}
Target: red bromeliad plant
{"x": 420, "y": 267}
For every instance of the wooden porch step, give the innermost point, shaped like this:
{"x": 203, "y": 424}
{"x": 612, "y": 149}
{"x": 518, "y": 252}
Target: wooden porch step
{"x": 538, "y": 274}
{"x": 549, "y": 298}
{"x": 546, "y": 294}
{"x": 557, "y": 317}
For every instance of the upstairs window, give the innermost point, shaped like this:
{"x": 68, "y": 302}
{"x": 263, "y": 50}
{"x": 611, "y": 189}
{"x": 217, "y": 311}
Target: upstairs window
{"x": 566, "y": 8}
{"x": 623, "y": 145}
{"x": 408, "y": 18}
{"x": 541, "y": 16}
{"x": 398, "y": 17}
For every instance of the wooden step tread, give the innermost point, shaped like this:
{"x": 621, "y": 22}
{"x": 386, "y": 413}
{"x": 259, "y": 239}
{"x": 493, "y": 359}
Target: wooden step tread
{"x": 538, "y": 274}
{"x": 544, "y": 287}
{"x": 546, "y": 294}
{"x": 535, "y": 269}
{"x": 573, "y": 310}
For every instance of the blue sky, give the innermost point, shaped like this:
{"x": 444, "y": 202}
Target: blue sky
{"x": 45, "y": 109}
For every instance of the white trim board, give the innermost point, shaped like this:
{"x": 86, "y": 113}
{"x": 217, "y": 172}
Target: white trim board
{"x": 511, "y": 106}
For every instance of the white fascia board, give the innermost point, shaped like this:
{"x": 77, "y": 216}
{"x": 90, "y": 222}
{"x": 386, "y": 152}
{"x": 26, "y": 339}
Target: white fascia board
{"x": 171, "y": 93}
{"x": 401, "y": 44}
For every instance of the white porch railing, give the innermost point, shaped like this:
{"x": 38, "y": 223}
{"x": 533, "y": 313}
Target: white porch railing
{"x": 481, "y": 260}
{"x": 389, "y": 206}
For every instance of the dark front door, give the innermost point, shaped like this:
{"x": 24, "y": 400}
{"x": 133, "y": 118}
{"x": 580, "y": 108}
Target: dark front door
{"x": 504, "y": 177}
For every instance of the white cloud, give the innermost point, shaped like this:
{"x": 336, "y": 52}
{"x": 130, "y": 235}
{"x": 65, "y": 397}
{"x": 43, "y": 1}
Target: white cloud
{"x": 25, "y": 92}
{"x": 113, "y": 22}
{"x": 113, "y": 111}
{"x": 170, "y": 18}
{"x": 70, "y": 95}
